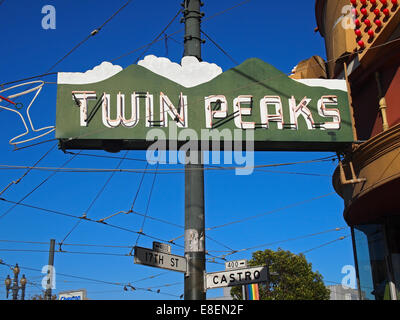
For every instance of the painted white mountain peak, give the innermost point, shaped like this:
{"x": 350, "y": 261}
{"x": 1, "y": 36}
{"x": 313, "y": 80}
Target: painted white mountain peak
{"x": 190, "y": 73}
{"x": 102, "y": 72}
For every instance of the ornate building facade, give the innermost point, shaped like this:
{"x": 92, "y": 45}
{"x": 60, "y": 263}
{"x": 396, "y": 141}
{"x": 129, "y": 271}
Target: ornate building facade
{"x": 362, "y": 39}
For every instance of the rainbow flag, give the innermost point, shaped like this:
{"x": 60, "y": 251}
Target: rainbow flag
{"x": 252, "y": 292}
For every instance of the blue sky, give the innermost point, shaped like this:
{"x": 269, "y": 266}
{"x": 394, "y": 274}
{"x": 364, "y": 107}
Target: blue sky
{"x": 262, "y": 29}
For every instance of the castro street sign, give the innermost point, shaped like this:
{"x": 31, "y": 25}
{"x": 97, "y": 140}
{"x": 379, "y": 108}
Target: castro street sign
{"x": 133, "y": 107}
{"x": 232, "y": 278}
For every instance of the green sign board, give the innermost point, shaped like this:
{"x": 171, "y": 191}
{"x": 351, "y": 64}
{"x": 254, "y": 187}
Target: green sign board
{"x": 134, "y": 107}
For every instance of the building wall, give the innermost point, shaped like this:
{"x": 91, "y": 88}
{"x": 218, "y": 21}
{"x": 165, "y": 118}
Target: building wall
{"x": 368, "y": 175}
{"x": 373, "y": 72}
{"x": 379, "y": 53}
{"x": 332, "y": 16}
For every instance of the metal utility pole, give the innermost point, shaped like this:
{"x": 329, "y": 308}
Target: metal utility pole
{"x": 194, "y": 176}
{"x": 50, "y": 270}
{"x": 192, "y": 18}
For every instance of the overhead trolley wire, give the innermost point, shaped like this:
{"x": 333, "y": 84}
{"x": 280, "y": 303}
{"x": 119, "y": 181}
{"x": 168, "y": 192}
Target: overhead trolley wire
{"x": 159, "y": 38}
{"x": 166, "y": 241}
{"x": 56, "y": 212}
{"x": 226, "y": 10}
{"x": 99, "y": 193}
{"x": 133, "y": 204}
{"x": 293, "y": 205}
{"x": 220, "y": 48}
{"x": 65, "y": 252}
{"x": 147, "y": 207}
{"x": 326, "y": 244}
{"x": 30, "y": 78}
{"x": 266, "y": 245}
{"x": 99, "y": 170}
{"x": 138, "y": 190}
{"x": 259, "y": 170}
{"x": 229, "y": 253}
{"x": 87, "y": 219}
{"x": 106, "y": 156}
{"x": 92, "y": 34}
{"x": 120, "y": 284}
{"x": 106, "y": 246}
{"x": 36, "y": 188}
{"x": 28, "y": 171}
{"x": 147, "y": 46}
{"x": 34, "y": 144}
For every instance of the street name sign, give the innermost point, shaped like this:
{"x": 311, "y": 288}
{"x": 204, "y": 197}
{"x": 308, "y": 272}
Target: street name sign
{"x": 234, "y": 278}
{"x": 159, "y": 260}
{"x": 161, "y": 247}
{"x": 130, "y": 109}
{"x": 234, "y": 265}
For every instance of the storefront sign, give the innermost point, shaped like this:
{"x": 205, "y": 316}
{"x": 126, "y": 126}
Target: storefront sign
{"x": 132, "y": 108}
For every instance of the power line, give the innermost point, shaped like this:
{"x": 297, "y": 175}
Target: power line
{"x": 99, "y": 170}
{"x": 226, "y": 10}
{"x": 27, "y": 79}
{"x": 178, "y": 31}
{"x": 147, "y": 46}
{"x": 92, "y": 34}
{"x": 220, "y": 48}
{"x": 231, "y": 251}
{"x": 64, "y": 252}
{"x": 158, "y": 37}
{"x": 293, "y": 205}
{"x": 107, "y": 246}
{"x": 284, "y": 241}
{"x": 34, "y": 144}
{"x": 24, "y": 242}
{"x": 124, "y": 285}
{"x": 124, "y": 55}
{"x": 28, "y": 171}
{"x": 99, "y": 193}
{"x": 94, "y": 245}
{"x": 219, "y": 243}
{"x": 138, "y": 190}
{"x": 285, "y": 172}
{"x": 36, "y": 188}
{"x": 137, "y": 213}
{"x": 154, "y": 218}
{"x": 326, "y": 244}
{"x": 65, "y": 244}
{"x": 147, "y": 206}
{"x": 86, "y": 219}
{"x": 259, "y": 170}
{"x": 106, "y": 156}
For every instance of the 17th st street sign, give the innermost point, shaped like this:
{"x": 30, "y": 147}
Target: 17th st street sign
{"x": 159, "y": 260}
{"x": 115, "y": 108}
